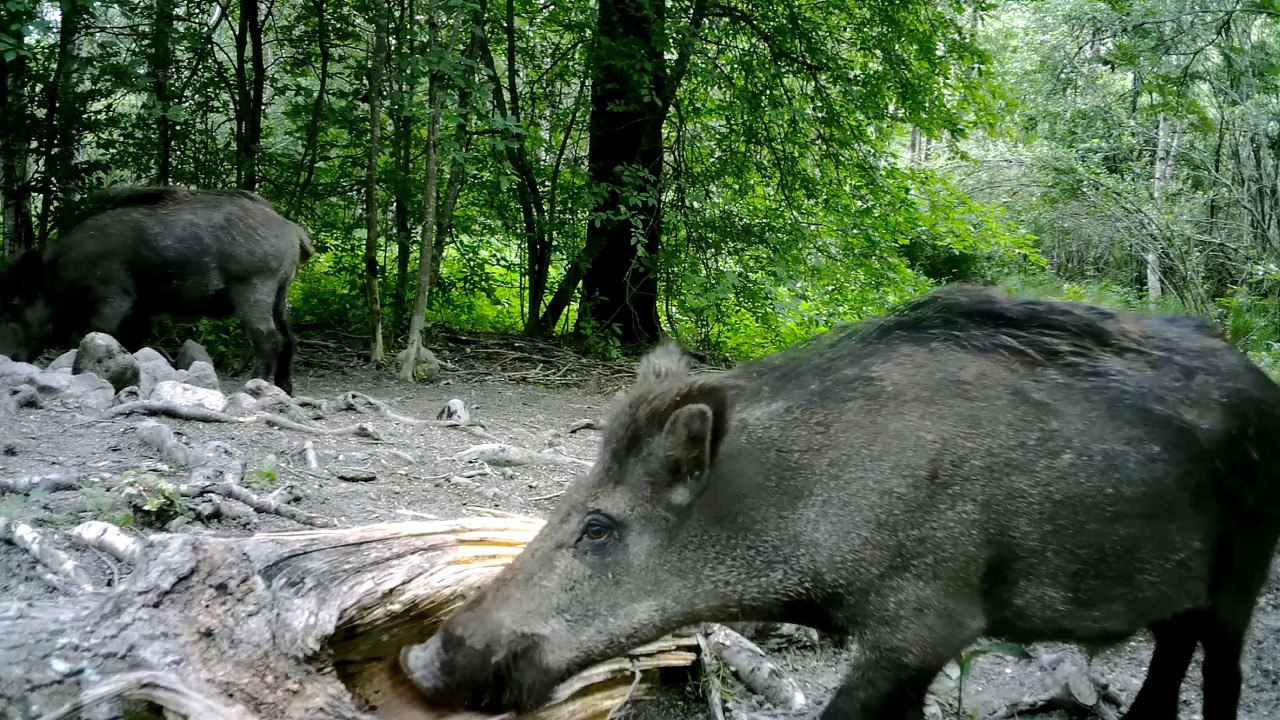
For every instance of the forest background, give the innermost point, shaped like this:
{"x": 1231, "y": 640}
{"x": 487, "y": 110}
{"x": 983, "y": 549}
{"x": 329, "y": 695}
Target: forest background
{"x": 735, "y": 174}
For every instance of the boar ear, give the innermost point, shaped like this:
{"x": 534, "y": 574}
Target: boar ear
{"x": 692, "y": 437}
{"x": 666, "y": 362}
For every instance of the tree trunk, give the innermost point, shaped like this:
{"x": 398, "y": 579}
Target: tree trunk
{"x": 19, "y": 234}
{"x": 371, "y": 272}
{"x": 630, "y": 95}
{"x": 161, "y": 72}
{"x": 250, "y": 88}
{"x": 307, "y": 164}
{"x": 426, "y": 246}
{"x": 62, "y": 119}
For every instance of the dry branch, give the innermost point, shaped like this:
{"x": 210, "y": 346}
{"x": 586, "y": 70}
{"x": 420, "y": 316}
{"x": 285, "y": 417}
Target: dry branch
{"x": 109, "y": 539}
{"x": 711, "y": 679}
{"x": 754, "y": 668}
{"x": 503, "y": 455}
{"x": 40, "y": 483}
{"x": 585, "y": 425}
{"x": 66, "y": 570}
{"x": 309, "y": 455}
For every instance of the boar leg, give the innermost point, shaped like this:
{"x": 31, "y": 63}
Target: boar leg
{"x": 897, "y": 660}
{"x": 109, "y": 315}
{"x": 1176, "y": 639}
{"x": 253, "y": 304}
{"x": 284, "y": 360}
{"x": 1242, "y": 566}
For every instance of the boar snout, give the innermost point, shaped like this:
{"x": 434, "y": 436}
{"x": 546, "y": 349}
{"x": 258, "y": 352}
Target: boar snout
{"x": 453, "y": 672}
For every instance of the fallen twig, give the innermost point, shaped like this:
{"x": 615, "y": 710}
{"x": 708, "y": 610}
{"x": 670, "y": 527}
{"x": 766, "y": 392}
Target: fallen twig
{"x": 309, "y": 455}
{"x": 711, "y": 679}
{"x": 162, "y": 689}
{"x": 42, "y": 483}
{"x": 585, "y": 425}
{"x": 503, "y": 455}
{"x": 548, "y": 496}
{"x": 67, "y": 571}
{"x": 754, "y": 668}
{"x": 108, "y": 538}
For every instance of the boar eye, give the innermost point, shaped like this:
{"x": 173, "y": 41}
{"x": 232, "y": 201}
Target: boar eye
{"x": 596, "y": 531}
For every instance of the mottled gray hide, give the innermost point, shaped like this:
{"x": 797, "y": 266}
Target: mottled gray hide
{"x": 970, "y": 466}
{"x": 145, "y": 252}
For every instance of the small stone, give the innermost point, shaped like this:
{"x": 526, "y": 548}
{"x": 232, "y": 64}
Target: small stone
{"x": 240, "y": 404}
{"x": 153, "y": 369}
{"x": 63, "y": 363}
{"x": 190, "y": 353}
{"x": 101, "y": 355}
{"x": 128, "y": 394}
{"x": 200, "y": 374}
{"x": 24, "y": 396}
{"x": 184, "y": 395}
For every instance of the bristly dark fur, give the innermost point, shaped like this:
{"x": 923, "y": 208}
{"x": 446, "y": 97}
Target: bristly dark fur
{"x": 664, "y": 384}
{"x": 123, "y": 196}
{"x": 1068, "y": 335}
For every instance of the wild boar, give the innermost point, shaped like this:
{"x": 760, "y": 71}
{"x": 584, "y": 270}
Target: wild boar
{"x": 145, "y": 252}
{"x": 970, "y": 466}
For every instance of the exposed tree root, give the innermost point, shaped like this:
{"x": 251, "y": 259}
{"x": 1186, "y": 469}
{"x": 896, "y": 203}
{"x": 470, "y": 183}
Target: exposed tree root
{"x": 40, "y": 483}
{"x": 199, "y": 414}
{"x": 309, "y": 456}
{"x": 455, "y": 411}
{"x": 259, "y": 504}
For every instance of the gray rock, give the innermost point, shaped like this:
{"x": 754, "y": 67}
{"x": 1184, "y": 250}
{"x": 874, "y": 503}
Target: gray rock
{"x": 153, "y": 369}
{"x": 85, "y": 391}
{"x": 190, "y": 396}
{"x": 103, "y": 356}
{"x": 240, "y": 404}
{"x": 192, "y": 352}
{"x": 23, "y": 396}
{"x": 89, "y": 391}
{"x": 17, "y": 373}
{"x": 128, "y": 394}
{"x": 200, "y": 374}
{"x": 63, "y": 363}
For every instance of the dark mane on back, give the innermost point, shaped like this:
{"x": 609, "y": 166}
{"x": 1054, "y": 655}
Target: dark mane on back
{"x": 123, "y": 196}
{"x": 1058, "y": 333}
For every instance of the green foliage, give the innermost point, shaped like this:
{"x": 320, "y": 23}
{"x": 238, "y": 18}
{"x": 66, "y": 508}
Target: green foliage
{"x": 264, "y": 474}
{"x": 822, "y": 161}
{"x": 155, "y": 501}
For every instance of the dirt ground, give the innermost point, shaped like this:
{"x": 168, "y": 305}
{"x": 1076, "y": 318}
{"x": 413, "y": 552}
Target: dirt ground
{"x": 525, "y": 402}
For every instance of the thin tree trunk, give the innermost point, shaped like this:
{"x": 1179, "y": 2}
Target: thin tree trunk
{"x": 402, "y": 152}
{"x": 431, "y": 174}
{"x": 19, "y": 235}
{"x": 250, "y": 86}
{"x": 161, "y": 71}
{"x": 371, "y": 179}
{"x": 310, "y": 144}
{"x": 62, "y": 118}
{"x": 1162, "y": 171}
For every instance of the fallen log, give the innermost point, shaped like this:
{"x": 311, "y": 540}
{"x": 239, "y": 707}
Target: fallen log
{"x": 289, "y": 626}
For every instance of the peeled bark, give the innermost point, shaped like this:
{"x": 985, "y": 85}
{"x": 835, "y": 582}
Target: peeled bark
{"x": 298, "y": 626}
